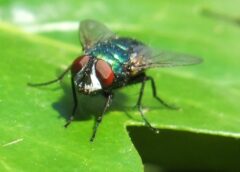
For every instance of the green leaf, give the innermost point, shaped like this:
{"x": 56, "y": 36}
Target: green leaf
{"x": 32, "y": 135}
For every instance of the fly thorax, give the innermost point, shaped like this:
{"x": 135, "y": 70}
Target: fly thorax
{"x": 136, "y": 60}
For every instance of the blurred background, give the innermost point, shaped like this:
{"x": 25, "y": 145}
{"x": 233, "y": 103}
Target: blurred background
{"x": 158, "y": 23}
{"x": 208, "y": 29}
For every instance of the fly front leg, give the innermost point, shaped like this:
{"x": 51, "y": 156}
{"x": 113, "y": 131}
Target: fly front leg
{"x": 59, "y": 78}
{"x": 75, "y": 103}
{"x": 86, "y": 71}
{"x": 99, "y": 118}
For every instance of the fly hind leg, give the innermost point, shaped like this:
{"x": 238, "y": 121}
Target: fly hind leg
{"x": 154, "y": 92}
{"x": 139, "y": 105}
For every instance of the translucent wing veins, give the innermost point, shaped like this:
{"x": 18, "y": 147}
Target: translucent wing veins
{"x": 92, "y": 32}
{"x": 149, "y": 59}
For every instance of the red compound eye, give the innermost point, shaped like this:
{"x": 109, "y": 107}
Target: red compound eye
{"x": 78, "y": 63}
{"x": 104, "y": 73}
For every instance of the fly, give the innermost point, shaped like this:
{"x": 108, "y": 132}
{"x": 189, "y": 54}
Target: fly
{"x": 110, "y": 62}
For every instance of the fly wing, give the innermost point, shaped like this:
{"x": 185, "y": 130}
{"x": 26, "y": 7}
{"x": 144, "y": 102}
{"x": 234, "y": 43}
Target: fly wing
{"x": 92, "y": 32}
{"x": 148, "y": 59}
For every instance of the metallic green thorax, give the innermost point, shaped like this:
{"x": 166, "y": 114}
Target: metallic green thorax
{"x": 116, "y": 52}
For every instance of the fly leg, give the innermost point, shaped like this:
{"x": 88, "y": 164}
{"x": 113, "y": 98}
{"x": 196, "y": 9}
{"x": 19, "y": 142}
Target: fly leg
{"x": 75, "y": 103}
{"x": 86, "y": 71}
{"x": 154, "y": 91}
{"x": 59, "y": 78}
{"x": 99, "y": 118}
{"x": 73, "y": 92}
{"x": 139, "y": 105}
